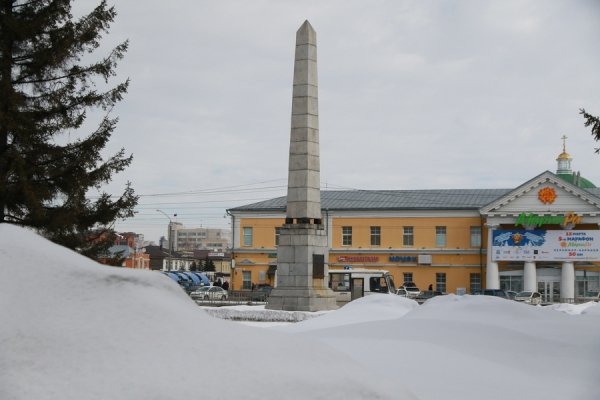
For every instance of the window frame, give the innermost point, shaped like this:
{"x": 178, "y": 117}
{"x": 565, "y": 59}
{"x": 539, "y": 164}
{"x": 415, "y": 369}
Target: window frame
{"x": 346, "y": 236}
{"x": 475, "y": 238}
{"x": 440, "y": 282}
{"x": 247, "y": 236}
{"x": 247, "y": 283}
{"x": 408, "y": 236}
{"x": 376, "y": 236}
{"x": 441, "y": 236}
{"x": 277, "y": 234}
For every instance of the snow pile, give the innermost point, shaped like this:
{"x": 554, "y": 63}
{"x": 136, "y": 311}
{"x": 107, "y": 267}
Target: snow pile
{"x": 258, "y": 313}
{"x": 73, "y": 329}
{"x": 574, "y": 309}
{"x": 474, "y": 347}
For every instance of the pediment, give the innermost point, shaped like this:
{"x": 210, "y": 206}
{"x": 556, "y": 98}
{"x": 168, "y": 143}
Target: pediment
{"x": 544, "y": 194}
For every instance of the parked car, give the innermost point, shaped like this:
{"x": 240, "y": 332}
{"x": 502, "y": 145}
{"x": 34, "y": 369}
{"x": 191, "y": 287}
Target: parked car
{"x": 210, "y": 293}
{"x": 592, "y": 295}
{"x": 261, "y": 293}
{"x": 495, "y": 292}
{"x": 411, "y": 289}
{"x": 402, "y": 292}
{"x": 511, "y": 294}
{"x": 529, "y": 297}
{"x": 427, "y": 294}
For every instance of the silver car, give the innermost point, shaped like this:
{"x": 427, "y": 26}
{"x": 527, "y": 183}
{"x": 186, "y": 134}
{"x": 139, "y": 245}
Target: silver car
{"x": 210, "y": 293}
{"x": 529, "y": 297}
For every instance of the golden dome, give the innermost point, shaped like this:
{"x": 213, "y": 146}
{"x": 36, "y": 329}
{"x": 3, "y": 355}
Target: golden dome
{"x": 564, "y": 156}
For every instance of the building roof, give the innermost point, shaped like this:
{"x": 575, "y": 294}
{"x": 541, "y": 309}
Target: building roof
{"x": 364, "y": 200}
{"x": 440, "y": 199}
{"x": 577, "y": 180}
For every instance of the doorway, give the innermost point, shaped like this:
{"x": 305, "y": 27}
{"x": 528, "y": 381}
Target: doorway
{"x": 550, "y": 291}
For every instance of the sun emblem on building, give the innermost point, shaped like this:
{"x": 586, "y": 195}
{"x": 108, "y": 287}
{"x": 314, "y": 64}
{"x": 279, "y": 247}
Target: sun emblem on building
{"x": 547, "y": 195}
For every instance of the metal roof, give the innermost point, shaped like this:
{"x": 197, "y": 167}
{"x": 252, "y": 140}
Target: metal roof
{"x": 442, "y": 199}
{"x": 439, "y": 199}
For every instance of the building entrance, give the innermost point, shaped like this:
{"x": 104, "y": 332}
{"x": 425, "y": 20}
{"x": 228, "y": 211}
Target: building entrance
{"x": 550, "y": 290}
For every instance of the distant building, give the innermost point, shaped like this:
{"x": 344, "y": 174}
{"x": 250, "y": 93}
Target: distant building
{"x": 190, "y": 239}
{"x": 128, "y": 246}
{"x": 543, "y": 235}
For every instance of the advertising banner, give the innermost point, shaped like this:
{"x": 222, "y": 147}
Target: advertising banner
{"x": 544, "y": 245}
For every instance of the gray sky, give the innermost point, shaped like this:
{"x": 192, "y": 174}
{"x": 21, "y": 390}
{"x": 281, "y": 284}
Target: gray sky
{"x": 412, "y": 95}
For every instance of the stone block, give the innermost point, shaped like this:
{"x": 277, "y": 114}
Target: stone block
{"x": 305, "y": 72}
{"x": 304, "y": 135}
{"x": 285, "y": 254}
{"x": 306, "y": 52}
{"x": 304, "y": 179}
{"x": 306, "y": 34}
{"x": 305, "y": 121}
{"x": 305, "y": 105}
{"x": 305, "y": 89}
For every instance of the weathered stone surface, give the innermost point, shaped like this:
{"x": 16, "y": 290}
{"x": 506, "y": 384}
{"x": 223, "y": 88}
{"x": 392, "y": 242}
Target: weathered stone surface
{"x": 296, "y": 290}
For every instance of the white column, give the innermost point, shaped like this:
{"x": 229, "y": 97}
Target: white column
{"x": 567, "y": 282}
{"x": 492, "y": 277}
{"x": 529, "y": 277}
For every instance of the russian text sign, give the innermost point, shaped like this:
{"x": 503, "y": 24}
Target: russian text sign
{"x": 544, "y": 245}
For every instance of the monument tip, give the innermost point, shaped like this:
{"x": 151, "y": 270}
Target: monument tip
{"x": 306, "y": 34}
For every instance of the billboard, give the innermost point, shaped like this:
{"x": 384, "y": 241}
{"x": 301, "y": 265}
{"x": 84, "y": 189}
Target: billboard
{"x": 544, "y": 245}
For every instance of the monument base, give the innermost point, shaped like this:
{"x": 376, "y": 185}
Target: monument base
{"x": 301, "y": 299}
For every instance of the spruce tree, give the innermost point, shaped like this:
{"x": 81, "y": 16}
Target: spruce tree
{"x": 594, "y": 122}
{"x": 48, "y": 166}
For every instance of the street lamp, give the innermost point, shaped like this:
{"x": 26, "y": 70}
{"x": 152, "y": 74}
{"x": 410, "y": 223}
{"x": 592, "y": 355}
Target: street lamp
{"x": 170, "y": 237}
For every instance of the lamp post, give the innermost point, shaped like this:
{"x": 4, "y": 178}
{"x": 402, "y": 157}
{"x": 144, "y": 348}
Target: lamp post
{"x": 170, "y": 238}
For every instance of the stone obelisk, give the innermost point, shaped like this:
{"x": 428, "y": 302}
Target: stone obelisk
{"x": 302, "y": 253}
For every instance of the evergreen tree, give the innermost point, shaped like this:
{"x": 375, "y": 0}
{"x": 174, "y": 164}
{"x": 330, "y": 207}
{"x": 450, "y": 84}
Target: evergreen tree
{"x": 209, "y": 265}
{"x": 594, "y": 122}
{"x": 47, "y": 167}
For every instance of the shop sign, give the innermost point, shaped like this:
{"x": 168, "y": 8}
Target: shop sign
{"x": 544, "y": 245}
{"x": 363, "y": 259}
{"x": 569, "y": 219}
{"x": 405, "y": 259}
{"x": 272, "y": 255}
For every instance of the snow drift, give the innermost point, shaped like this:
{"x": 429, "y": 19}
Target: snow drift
{"x": 73, "y": 329}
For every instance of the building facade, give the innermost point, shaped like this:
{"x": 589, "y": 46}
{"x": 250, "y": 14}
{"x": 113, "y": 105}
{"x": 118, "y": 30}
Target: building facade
{"x": 189, "y": 239}
{"x": 541, "y": 236}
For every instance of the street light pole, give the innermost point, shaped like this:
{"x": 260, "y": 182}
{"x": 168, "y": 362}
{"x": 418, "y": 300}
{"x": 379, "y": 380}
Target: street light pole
{"x": 170, "y": 238}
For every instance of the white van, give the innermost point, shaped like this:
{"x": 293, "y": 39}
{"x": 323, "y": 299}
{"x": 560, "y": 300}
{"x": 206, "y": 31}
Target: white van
{"x": 351, "y": 284}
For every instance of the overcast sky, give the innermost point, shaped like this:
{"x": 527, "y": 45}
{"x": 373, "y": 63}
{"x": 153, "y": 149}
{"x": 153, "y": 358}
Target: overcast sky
{"x": 412, "y": 95}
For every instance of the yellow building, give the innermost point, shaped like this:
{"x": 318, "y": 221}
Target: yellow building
{"x": 449, "y": 240}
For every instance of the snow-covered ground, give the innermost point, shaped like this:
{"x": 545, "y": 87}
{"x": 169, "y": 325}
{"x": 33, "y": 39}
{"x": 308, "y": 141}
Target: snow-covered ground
{"x": 74, "y": 329}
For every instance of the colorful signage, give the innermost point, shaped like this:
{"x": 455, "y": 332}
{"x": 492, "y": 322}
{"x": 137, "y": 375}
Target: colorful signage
{"x": 363, "y": 259}
{"x": 405, "y": 259}
{"x": 544, "y": 245}
{"x": 539, "y": 220}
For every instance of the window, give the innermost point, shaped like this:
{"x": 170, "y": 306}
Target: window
{"x": 440, "y": 282}
{"x": 408, "y": 277}
{"x": 277, "y": 233}
{"x": 408, "y": 238}
{"x": 340, "y": 282}
{"x": 475, "y": 236}
{"x": 248, "y": 236}
{"x": 247, "y": 280}
{"x": 440, "y": 236}
{"x": 346, "y": 236}
{"x": 475, "y": 282}
{"x": 375, "y": 236}
{"x": 378, "y": 284}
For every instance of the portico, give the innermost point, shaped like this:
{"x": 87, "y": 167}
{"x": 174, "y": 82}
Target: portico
{"x": 546, "y": 223}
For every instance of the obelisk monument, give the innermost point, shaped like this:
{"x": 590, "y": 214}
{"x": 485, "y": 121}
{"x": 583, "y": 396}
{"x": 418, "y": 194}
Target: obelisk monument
{"x": 302, "y": 253}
